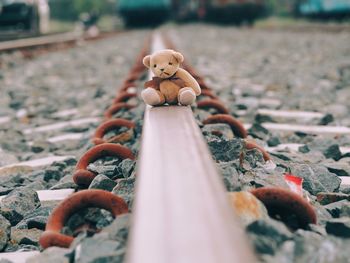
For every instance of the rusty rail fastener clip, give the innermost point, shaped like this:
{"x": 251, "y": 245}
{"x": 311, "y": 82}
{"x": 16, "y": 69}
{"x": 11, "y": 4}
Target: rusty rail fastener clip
{"x": 249, "y": 144}
{"x": 236, "y": 126}
{"x": 82, "y": 176}
{"x": 108, "y": 126}
{"x": 117, "y": 107}
{"x": 213, "y": 104}
{"x": 124, "y": 97}
{"x": 284, "y": 203}
{"x": 208, "y": 93}
{"x": 72, "y": 204}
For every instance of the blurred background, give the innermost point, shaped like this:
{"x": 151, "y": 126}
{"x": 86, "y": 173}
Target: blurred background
{"x": 52, "y": 16}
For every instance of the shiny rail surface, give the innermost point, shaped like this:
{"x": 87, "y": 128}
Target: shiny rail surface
{"x": 181, "y": 212}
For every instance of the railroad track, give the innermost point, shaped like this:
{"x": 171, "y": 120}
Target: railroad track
{"x": 37, "y": 45}
{"x": 165, "y": 211}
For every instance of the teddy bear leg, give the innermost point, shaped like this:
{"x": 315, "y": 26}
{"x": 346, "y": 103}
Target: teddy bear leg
{"x": 152, "y": 97}
{"x": 170, "y": 91}
{"x": 186, "y": 96}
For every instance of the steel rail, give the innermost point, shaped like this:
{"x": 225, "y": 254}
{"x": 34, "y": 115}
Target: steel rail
{"x": 181, "y": 212}
{"x": 39, "y": 41}
{"x": 68, "y": 38}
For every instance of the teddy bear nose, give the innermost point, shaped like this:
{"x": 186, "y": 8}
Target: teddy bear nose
{"x": 162, "y": 69}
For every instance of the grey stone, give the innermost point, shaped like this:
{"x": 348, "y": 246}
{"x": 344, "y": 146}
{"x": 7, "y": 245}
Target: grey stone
{"x": 125, "y": 190}
{"x": 345, "y": 189}
{"x": 258, "y": 131}
{"x": 225, "y": 151}
{"x": 124, "y": 169}
{"x": 13, "y": 247}
{"x": 53, "y": 255}
{"x": 316, "y": 177}
{"x": 53, "y": 173}
{"x": 329, "y": 147}
{"x": 118, "y": 230}
{"x": 107, "y": 170}
{"x": 5, "y": 229}
{"x": 284, "y": 158}
{"x": 26, "y": 236}
{"x": 95, "y": 217}
{"x": 322, "y": 214}
{"x": 326, "y": 119}
{"x": 37, "y": 185}
{"x": 268, "y": 235}
{"x": 327, "y": 198}
{"x": 92, "y": 250}
{"x": 19, "y": 203}
{"x": 262, "y": 177}
{"x": 42, "y": 146}
{"x": 252, "y": 158}
{"x": 36, "y": 219}
{"x": 339, "y": 168}
{"x": 333, "y": 152}
{"x": 230, "y": 175}
{"x": 65, "y": 182}
{"x": 339, "y": 227}
{"x": 9, "y": 182}
{"x": 339, "y": 209}
{"x": 319, "y": 229}
{"x": 273, "y": 141}
{"x": 7, "y": 158}
{"x": 102, "y": 182}
{"x": 69, "y": 161}
{"x": 311, "y": 247}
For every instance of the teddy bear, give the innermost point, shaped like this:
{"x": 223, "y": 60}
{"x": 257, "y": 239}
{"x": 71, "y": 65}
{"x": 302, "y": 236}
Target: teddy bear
{"x": 170, "y": 84}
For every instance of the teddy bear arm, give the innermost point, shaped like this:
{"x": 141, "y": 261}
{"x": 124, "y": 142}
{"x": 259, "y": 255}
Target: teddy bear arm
{"x": 189, "y": 81}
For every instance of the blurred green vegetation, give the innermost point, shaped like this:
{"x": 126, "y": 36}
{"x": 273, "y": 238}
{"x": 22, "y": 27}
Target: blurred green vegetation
{"x": 70, "y": 10}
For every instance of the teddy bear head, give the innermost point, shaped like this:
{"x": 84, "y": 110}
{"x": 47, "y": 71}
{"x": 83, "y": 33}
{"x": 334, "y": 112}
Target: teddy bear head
{"x": 163, "y": 63}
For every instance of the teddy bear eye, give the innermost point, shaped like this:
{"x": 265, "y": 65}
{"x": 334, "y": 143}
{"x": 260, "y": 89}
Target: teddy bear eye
{"x": 155, "y": 65}
{"x": 170, "y": 63}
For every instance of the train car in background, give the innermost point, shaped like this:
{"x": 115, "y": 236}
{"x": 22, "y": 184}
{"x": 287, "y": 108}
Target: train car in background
{"x": 188, "y": 10}
{"x": 144, "y": 12}
{"x": 324, "y": 8}
{"x": 25, "y": 15}
{"x": 234, "y": 11}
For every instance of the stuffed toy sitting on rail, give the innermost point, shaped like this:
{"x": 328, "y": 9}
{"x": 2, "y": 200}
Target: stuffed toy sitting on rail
{"x": 171, "y": 84}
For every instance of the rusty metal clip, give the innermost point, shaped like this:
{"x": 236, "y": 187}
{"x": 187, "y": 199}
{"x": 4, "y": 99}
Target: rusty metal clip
{"x": 249, "y": 144}
{"x": 208, "y": 93}
{"x": 108, "y": 126}
{"x": 124, "y": 97}
{"x": 285, "y": 203}
{"x": 73, "y": 204}
{"x": 236, "y": 126}
{"x": 213, "y": 104}
{"x": 117, "y": 107}
{"x": 82, "y": 176}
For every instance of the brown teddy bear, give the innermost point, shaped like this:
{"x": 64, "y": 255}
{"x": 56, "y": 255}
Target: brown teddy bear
{"x": 171, "y": 84}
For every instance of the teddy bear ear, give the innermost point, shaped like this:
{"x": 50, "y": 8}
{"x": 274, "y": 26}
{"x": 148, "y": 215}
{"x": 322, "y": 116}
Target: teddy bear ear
{"x": 147, "y": 61}
{"x": 178, "y": 56}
